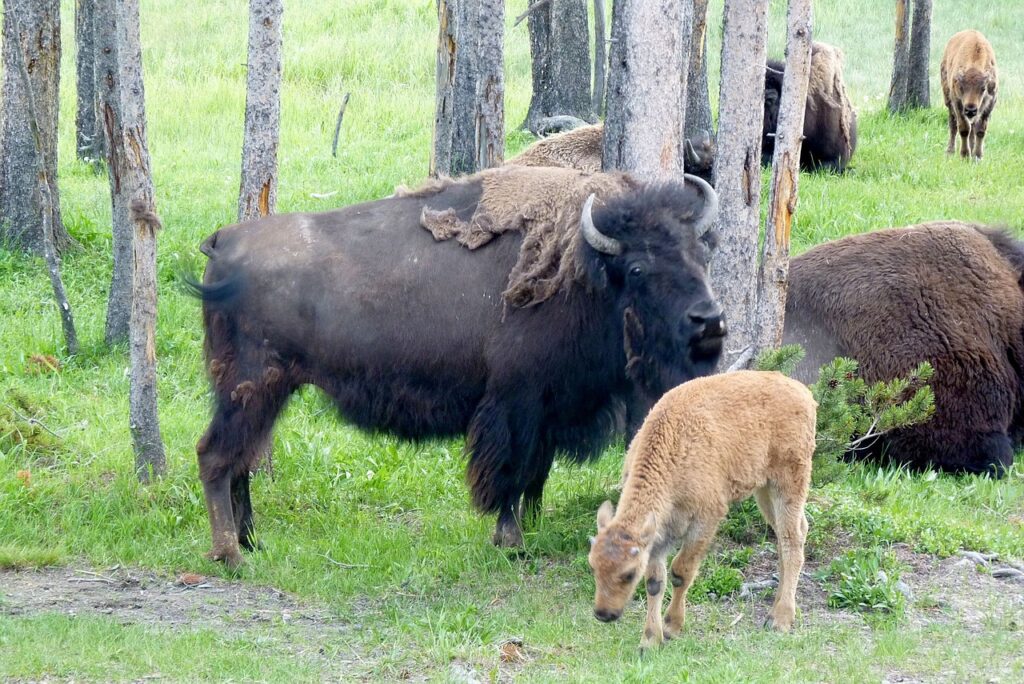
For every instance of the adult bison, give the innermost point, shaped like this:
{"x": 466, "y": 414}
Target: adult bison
{"x": 543, "y": 328}
{"x": 830, "y": 121}
{"x": 945, "y": 292}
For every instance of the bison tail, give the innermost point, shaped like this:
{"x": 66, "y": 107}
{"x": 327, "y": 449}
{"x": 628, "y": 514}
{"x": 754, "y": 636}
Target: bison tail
{"x": 219, "y": 292}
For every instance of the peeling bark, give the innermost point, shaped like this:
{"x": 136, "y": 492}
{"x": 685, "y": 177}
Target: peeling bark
{"x": 643, "y": 131}
{"x": 257, "y": 195}
{"x": 737, "y": 169}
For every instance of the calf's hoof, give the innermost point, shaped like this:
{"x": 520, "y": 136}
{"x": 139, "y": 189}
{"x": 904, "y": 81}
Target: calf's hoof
{"x": 779, "y": 623}
{"x": 649, "y": 642}
{"x": 672, "y": 630}
{"x": 230, "y": 556}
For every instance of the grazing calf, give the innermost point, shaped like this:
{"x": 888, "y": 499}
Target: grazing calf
{"x": 969, "y": 83}
{"x": 705, "y": 444}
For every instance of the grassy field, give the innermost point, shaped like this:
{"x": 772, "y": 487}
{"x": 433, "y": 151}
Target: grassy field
{"x": 380, "y": 533}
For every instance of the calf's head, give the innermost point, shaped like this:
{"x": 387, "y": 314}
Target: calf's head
{"x": 618, "y": 557}
{"x": 974, "y": 90}
{"x": 651, "y": 249}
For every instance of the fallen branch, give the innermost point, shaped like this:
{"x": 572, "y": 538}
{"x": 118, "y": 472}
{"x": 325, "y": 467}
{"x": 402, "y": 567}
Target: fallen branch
{"x": 337, "y": 125}
{"x": 30, "y": 420}
{"x": 536, "y": 5}
{"x": 742, "y": 360}
{"x": 347, "y": 566}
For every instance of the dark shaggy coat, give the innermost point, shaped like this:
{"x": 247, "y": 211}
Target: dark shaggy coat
{"x": 945, "y": 292}
{"x": 830, "y": 121}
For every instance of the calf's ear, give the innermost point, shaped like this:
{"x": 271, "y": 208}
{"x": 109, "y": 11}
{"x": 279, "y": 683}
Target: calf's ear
{"x": 605, "y": 514}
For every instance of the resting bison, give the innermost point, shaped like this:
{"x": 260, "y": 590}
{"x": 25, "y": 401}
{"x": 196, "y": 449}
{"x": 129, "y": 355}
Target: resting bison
{"x": 545, "y": 331}
{"x": 944, "y": 292}
{"x": 969, "y": 82}
{"x": 830, "y": 122}
{"x": 581, "y": 148}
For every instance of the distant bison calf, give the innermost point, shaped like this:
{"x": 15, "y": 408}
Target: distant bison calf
{"x": 969, "y": 83}
{"x": 705, "y": 444}
{"x": 581, "y": 149}
{"x": 830, "y": 122}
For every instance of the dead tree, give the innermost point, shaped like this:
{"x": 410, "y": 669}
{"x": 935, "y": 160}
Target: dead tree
{"x": 560, "y": 59}
{"x": 469, "y": 117}
{"x": 31, "y": 29}
{"x": 698, "y": 98}
{"x": 909, "y": 87}
{"x": 600, "y": 60}
{"x": 773, "y": 270}
{"x": 88, "y": 128}
{"x": 45, "y": 190}
{"x": 738, "y": 168}
{"x": 142, "y": 404}
{"x": 258, "y": 193}
{"x": 920, "y": 46}
{"x": 643, "y": 130}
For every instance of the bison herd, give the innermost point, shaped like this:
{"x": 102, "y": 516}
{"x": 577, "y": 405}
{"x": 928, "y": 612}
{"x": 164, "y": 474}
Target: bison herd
{"x": 543, "y": 307}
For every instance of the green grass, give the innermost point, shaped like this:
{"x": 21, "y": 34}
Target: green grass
{"x": 426, "y": 586}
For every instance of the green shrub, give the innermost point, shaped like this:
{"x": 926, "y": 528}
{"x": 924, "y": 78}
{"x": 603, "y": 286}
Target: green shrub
{"x": 865, "y": 580}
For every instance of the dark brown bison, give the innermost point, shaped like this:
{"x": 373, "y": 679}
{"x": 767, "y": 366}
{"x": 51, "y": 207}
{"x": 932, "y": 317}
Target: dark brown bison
{"x": 830, "y": 121}
{"x": 944, "y": 292}
{"x": 581, "y": 148}
{"x": 544, "y": 328}
{"x": 969, "y": 84}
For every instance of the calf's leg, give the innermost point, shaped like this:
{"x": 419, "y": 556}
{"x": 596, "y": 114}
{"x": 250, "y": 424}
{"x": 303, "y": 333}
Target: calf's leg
{"x": 951, "y": 147}
{"x": 653, "y": 628}
{"x": 683, "y": 571}
{"x": 792, "y": 532}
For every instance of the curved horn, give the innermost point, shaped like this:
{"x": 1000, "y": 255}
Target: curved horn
{"x": 710, "y": 213}
{"x": 691, "y": 154}
{"x": 594, "y": 237}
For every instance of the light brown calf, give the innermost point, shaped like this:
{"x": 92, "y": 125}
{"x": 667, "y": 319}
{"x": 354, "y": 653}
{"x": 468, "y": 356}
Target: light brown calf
{"x": 969, "y": 84}
{"x": 705, "y": 444}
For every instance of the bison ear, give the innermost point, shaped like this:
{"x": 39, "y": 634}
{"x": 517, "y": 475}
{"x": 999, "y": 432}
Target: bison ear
{"x": 605, "y": 514}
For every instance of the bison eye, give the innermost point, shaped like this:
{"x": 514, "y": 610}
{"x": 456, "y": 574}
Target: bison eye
{"x": 636, "y": 271}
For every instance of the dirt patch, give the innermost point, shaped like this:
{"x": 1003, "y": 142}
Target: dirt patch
{"x": 141, "y": 597}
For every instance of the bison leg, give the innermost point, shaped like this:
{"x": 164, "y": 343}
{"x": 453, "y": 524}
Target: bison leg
{"x": 241, "y": 506}
{"x": 791, "y": 531}
{"x": 951, "y": 148}
{"x": 222, "y": 523}
{"x": 965, "y": 139}
{"x": 534, "y": 493}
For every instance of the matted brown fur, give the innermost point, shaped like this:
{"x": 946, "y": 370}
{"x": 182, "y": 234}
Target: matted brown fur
{"x": 969, "y": 84}
{"x": 542, "y": 203}
{"x": 579, "y": 148}
{"x": 826, "y": 80}
{"x": 706, "y": 444}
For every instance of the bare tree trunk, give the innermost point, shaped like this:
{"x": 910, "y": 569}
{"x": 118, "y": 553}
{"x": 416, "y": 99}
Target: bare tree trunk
{"x": 773, "y": 273}
{"x": 643, "y": 131}
{"x": 454, "y": 148}
{"x": 900, "y": 59}
{"x": 31, "y": 29}
{"x": 600, "y": 59}
{"x": 46, "y": 205}
{"x": 469, "y": 121}
{"x": 258, "y": 193}
{"x": 142, "y": 404}
{"x": 698, "y": 100}
{"x": 920, "y": 48}
{"x": 738, "y": 168}
{"x": 88, "y": 130}
{"x": 560, "y": 58}
{"x": 490, "y": 83}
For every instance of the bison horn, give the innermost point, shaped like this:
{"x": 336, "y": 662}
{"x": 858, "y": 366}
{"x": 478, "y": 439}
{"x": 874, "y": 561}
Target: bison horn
{"x": 594, "y": 237}
{"x": 691, "y": 154}
{"x": 710, "y": 213}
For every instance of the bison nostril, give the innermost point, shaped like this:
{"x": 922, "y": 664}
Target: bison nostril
{"x": 970, "y": 111}
{"x": 605, "y": 615}
{"x": 709, "y": 326}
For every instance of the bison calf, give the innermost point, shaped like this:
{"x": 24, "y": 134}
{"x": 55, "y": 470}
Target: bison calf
{"x": 969, "y": 82}
{"x": 705, "y": 444}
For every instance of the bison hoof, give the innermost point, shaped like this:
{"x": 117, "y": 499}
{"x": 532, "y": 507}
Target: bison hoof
{"x": 508, "y": 536}
{"x": 778, "y": 624}
{"x": 232, "y": 558}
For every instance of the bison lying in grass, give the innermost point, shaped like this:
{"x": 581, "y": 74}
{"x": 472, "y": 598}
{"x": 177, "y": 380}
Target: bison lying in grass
{"x": 548, "y": 324}
{"x": 945, "y": 292}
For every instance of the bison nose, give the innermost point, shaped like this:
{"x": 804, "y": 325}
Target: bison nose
{"x": 605, "y": 615}
{"x": 708, "y": 318}
{"x": 970, "y": 111}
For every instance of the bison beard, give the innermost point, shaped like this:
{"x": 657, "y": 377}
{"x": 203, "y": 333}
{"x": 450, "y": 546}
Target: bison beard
{"x": 413, "y": 336}
{"x": 945, "y": 292}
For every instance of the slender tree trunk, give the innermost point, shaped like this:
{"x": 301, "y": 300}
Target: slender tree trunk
{"x": 44, "y": 187}
{"x": 900, "y": 59}
{"x": 698, "y": 100}
{"x": 643, "y": 131}
{"x": 738, "y": 168}
{"x": 600, "y": 59}
{"x": 454, "y": 147}
{"x": 490, "y": 83}
{"x": 143, "y": 417}
{"x": 258, "y": 193}
{"x": 469, "y": 120}
{"x": 773, "y": 273}
{"x": 920, "y": 50}
{"x": 560, "y": 58}
{"x": 88, "y": 129}
{"x": 31, "y": 29}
